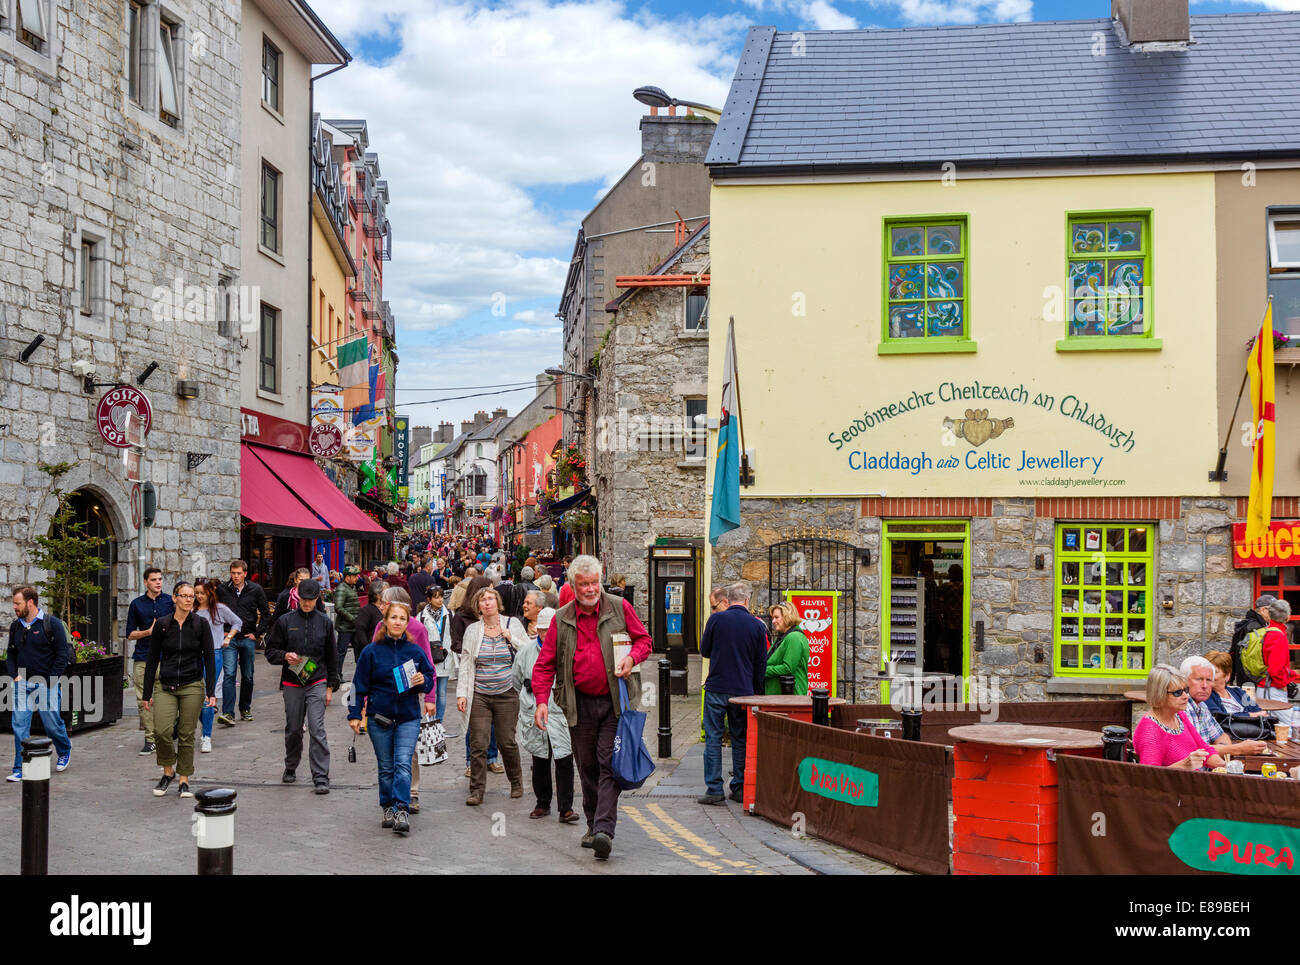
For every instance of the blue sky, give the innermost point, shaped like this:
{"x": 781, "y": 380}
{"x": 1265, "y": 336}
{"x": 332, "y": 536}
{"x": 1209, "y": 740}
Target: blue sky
{"x": 498, "y": 126}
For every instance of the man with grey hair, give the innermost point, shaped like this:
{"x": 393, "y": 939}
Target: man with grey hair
{"x": 1200, "y": 684}
{"x": 735, "y": 644}
{"x": 594, "y": 642}
{"x": 1276, "y": 650}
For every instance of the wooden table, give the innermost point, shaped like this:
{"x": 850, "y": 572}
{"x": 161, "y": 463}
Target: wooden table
{"x": 788, "y": 705}
{"x": 1140, "y": 696}
{"x": 1285, "y": 756}
{"x": 1004, "y": 795}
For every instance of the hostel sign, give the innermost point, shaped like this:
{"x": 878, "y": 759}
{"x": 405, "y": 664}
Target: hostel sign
{"x": 1280, "y": 546}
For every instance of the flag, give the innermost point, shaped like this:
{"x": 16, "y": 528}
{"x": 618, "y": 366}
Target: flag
{"x": 1259, "y": 514}
{"x": 354, "y": 356}
{"x": 725, "y": 513}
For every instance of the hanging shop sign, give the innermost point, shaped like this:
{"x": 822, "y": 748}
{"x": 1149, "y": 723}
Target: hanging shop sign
{"x": 118, "y": 408}
{"x": 326, "y": 441}
{"x": 402, "y": 450}
{"x": 1280, "y": 546}
{"x": 819, "y": 613}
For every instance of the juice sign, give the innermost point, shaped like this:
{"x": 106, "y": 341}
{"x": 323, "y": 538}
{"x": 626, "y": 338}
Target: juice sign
{"x": 1279, "y": 546}
{"x": 819, "y": 611}
{"x": 1236, "y": 847}
{"x": 840, "y": 782}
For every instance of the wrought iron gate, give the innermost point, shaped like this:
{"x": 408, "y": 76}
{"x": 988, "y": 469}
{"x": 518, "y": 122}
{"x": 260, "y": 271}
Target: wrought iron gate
{"x": 825, "y": 565}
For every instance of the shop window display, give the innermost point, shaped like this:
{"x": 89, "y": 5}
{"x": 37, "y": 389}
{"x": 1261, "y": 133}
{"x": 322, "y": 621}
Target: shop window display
{"x": 1103, "y": 599}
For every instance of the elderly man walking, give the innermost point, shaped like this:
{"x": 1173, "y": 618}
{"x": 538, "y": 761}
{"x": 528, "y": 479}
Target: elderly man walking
{"x": 578, "y": 658}
{"x": 735, "y": 644}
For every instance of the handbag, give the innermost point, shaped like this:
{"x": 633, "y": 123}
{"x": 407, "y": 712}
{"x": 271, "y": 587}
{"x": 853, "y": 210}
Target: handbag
{"x": 431, "y": 745}
{"x": 1244, "y": 727}
{"x": 631, "y": 763}
{"x": 438, "y": 651}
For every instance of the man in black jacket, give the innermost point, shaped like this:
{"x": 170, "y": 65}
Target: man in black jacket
{"x": 248, "y": 600}
{"x": 38, "y": 656}
{"x": 303, "y": 643}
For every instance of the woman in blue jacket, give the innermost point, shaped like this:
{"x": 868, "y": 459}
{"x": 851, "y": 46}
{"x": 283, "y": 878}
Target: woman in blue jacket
{"x": 393, "y": 710}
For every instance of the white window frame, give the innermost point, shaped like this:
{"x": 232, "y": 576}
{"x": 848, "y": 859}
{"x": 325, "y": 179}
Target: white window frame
{"x": 135, "y": 50}
{"x": 44, "y": 59}
{"x": 169, "y": 66}
{"x": 279, "y": 78}
{"x": 1289, "y": 218}
{"x": 34, "y": 13}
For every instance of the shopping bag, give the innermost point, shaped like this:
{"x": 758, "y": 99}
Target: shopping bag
{"x": 431, "y": 745}
{"x": 632, "y": 764}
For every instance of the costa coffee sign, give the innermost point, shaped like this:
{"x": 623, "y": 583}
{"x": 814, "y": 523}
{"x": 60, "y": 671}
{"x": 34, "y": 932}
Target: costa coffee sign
{"x": 326, "y": 441}
{"x": 120, "y": 410}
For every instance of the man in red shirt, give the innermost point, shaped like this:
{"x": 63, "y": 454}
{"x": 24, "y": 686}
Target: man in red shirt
{"x": 579, "y": 659}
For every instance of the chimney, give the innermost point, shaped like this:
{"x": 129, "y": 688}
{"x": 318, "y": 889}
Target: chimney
{"x": 1152, "y": 21}
{"x": 499, "y": 414}
{"x": 667, "y": 139}
{"x": 480, "y": 419}
{"x": 446, "y": 432}
{"x": 420, "y": 435}
{"x": 466, "y": 427}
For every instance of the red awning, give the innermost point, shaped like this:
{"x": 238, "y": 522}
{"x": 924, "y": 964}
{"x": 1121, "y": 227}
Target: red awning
{"x": 273, "y": 508}
{"x": 303, "y": 477}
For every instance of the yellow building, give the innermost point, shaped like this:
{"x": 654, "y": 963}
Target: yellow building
{"x": 984, "y": 365}
{"x": 332, "y": 266}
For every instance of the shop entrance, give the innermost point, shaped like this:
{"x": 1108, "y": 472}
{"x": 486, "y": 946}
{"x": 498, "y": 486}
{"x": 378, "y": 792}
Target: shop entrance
{"x": 925, "y": 605}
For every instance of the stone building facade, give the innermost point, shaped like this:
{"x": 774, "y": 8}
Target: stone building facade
{"x": 120, "y": 248}
{"x": 649, "y": 451}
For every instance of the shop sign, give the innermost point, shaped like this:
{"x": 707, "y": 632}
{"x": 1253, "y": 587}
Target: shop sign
{"x": 840, "y": 782}
{"x": 1236, "y": 847}
{"x": 402, "y": 450}
{"x": 271, "y": 430}
{"x": 326, "y": 441}
{"x": 819, "y": 612}
{"x": 119, "y": 407}
{"x": 1280, "y": 546}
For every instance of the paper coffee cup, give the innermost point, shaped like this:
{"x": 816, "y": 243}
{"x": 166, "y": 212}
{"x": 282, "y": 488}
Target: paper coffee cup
{"x": 1283, "y": 732}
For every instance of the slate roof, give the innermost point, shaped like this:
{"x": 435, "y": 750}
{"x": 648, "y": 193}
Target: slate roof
{"x": 1026, "y": 93}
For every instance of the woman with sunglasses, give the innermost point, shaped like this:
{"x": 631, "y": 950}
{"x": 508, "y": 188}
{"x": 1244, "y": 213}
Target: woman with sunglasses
{"x": 1165, "y": 737}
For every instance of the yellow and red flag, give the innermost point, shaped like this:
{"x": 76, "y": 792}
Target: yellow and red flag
{"x": 1259, "y": 514}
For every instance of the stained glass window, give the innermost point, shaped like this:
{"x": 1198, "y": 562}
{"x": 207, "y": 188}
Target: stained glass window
{"x": 926, "y": 264}
{"x": 1108, "y": 276}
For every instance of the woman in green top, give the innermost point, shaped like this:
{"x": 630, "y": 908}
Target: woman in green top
{"x": 788, "y": 656}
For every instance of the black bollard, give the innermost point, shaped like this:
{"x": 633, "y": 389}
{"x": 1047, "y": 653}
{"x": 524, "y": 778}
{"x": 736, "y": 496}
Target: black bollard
{"x": 37, "y": 752}
{"x": 821, "y": 706}
{"x": 215, "y": 830}
{"x": 787, "y": 684}
{"x": 1114, "y": 743}
{"x": 911, "y": 724}
{"x": 665, "y": 721}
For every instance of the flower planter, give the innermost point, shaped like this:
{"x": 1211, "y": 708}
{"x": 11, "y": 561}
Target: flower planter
{"x": 108, "y": 692}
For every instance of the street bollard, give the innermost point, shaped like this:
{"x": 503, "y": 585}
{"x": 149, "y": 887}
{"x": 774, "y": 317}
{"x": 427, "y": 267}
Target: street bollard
{"x": 911, "y": 724}
{"x": 215, "y": 830}
{"x": 821, "y": 706}
{"x": 665, "y": 721}
{"x": 1114, "y": 743}
{"x": 787, "y": 684}
{"x": 36, "y": 805}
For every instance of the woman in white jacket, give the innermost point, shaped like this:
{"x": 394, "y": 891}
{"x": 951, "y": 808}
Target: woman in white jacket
{"x": 543, "y": 745}
{"x": 485, "y": 692}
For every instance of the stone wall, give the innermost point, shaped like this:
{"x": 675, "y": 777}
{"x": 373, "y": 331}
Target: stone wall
{"x": 166, "y": 203}
{"x": 646, "y": 487}
{"x": 1008, "y": 592}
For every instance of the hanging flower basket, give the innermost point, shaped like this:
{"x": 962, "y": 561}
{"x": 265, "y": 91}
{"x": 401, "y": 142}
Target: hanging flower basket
{"x": 577, "y": 521}
{"x": 1280, "y": 340}
{"x": 571, "y": 469}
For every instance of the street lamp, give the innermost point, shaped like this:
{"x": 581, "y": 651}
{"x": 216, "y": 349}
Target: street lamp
{"x": 560, "y": 408}
{"x": 572, "y": 375}
{"x": 656, "y": 97}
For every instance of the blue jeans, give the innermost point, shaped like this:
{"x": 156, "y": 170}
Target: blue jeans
{"x": 29, "y": 695}
{"x": 718, "y": 710}
{"x": 207, "y": 714}
{"x": 441, "y": 686}
{"x": 394, "y": 749}
{"x": 492, "y": 743}
{"x": 241, "y": 651}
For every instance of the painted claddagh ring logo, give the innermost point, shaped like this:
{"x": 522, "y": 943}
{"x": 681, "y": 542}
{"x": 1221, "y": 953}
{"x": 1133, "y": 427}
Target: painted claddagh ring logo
{"x": 977, "y": 428}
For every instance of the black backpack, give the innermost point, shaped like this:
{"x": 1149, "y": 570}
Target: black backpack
{"x": 1240, "y": 631}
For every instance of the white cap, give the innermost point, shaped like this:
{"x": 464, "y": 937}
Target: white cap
{"x": 544, "y": 618}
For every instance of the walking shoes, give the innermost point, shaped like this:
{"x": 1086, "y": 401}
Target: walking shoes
{"x": 225, "y": 720}
{"x": 164, "y": 782}
{"x": 602, "y": 844}
{"x": 401, "y": 823}
{"x": 387, "y": 821}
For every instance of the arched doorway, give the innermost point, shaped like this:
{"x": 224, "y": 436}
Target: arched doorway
{"x": 99, "y": 608}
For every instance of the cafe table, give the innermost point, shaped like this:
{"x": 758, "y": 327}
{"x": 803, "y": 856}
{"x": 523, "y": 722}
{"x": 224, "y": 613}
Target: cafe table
{"x": 1004, "y": 795}
{"x": 1140, "y": 696}
{"x": 788, "y": 705}
{"x": 1285, "y": 756}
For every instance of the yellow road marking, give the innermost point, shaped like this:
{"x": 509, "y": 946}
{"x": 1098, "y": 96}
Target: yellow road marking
{"x": 657, "y": 834}
{"x": 686, "y": 835}
{"x": 667, "y": 839}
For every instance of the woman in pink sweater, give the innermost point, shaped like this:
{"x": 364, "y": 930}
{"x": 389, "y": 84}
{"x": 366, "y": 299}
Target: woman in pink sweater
{"x": 1165, "y": 737}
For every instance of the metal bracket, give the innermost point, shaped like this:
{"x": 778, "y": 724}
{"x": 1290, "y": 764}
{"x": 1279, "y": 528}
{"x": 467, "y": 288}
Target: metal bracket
{"x": 195, "y": 459}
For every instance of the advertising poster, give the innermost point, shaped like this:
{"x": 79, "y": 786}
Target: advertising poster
{"x": 819, "y": 611}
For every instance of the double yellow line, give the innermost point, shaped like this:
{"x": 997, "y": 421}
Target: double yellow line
{"x": 688, "y": 841}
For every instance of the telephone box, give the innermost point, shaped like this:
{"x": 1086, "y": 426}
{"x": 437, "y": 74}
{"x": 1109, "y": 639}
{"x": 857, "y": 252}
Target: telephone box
{"x": 675, "y": 600}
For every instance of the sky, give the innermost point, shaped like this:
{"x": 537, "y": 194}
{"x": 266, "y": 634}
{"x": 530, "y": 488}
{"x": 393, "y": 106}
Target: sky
{"x": 499, "y": 125}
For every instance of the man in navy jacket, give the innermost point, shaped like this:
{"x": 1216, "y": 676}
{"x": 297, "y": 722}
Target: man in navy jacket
{"x": 38, "y": 656}
{"x": 735, "y": 644}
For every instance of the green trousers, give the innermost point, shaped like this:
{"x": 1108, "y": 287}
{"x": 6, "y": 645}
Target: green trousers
{"x": 185, "y": 702}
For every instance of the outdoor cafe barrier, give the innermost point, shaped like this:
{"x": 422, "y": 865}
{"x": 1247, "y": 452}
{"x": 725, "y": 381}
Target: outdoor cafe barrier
{"x": 881, "y": 797}
{"x": 937, "y": 721}
{"x": 1127, "y": 819}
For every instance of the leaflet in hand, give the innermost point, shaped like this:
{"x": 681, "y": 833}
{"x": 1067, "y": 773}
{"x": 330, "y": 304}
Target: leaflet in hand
{"x": 403, "y": 674}
{"x": 305, "y": 669}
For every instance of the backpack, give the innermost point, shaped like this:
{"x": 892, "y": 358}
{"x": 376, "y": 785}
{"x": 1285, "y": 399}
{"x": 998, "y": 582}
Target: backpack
{"x": 1252, "y": 653}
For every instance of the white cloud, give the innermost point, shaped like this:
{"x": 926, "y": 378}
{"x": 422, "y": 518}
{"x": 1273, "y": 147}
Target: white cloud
{"x": 826, "y": 17}
{"x": 942, "y": 12}
{"x": 1267, "y": 4}
{"x": 534, "y": 316}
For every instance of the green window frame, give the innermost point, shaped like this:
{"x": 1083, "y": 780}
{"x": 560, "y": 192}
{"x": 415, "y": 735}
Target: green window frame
{"x": 1104, "y": 579}
{"x": 1108, "y": 286}
{"x": 925, "y": 285}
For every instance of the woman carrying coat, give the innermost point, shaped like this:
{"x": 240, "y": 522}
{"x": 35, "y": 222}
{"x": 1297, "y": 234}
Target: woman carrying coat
{"x": 789, "y": 654}
{"x": 548, "y": 744}
{"x": 485, "y": 693}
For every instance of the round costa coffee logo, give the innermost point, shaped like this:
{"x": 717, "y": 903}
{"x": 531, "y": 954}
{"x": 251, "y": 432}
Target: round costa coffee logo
{"x": 120, "y": 405}
{"x": 326, "y": 441}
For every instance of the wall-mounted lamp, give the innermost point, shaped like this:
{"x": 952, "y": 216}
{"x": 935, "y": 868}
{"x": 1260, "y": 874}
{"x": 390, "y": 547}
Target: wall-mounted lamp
{"x": 1168, "y": 601}
{"x": 187, "y": 389}
{"x": 1040, "y": 562}
{"x": 864, "y": 557}
{"x": 143, "y": 377}
{"x": 32, "y": 346}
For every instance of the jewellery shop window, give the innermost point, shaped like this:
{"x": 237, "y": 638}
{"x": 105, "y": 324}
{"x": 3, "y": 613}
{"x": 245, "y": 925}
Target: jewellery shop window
{"x": 1104, "y": 576}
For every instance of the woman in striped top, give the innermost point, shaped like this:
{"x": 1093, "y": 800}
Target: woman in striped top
{"x": 485, "y": 693}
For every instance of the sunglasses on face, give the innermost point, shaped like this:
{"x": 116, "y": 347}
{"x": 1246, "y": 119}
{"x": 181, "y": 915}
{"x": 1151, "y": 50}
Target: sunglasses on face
{"x": 1181, "y": 692}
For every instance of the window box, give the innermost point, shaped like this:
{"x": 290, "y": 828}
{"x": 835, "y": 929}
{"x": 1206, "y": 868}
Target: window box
{"x": 925, "y": 285}
{"x": 1105, "y": 577}
{"x": 1108, "y": 281}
